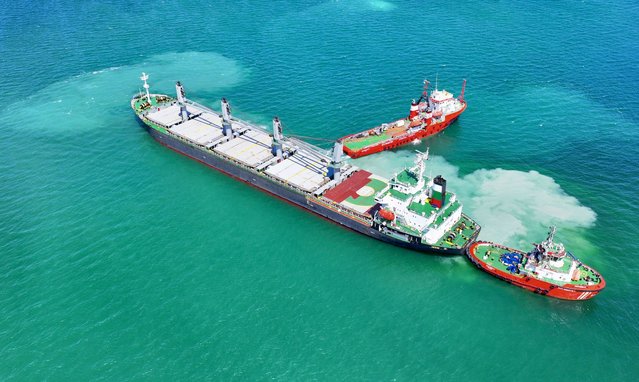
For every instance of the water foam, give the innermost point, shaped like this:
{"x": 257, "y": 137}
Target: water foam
{"x": 381, "y": 5}
{"x": 513, "y": 207}
{"x": 359, "y": 5}
{"x": 75, "y": 102}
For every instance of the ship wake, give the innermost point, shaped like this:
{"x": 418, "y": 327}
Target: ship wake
{"x": 513, "y": 207}
{"x": 93, "y": 99}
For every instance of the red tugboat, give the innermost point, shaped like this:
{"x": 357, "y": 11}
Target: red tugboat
{"x": 548, "y": 269}
{"x": 429, "y": 115}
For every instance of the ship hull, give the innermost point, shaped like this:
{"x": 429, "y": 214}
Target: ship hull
{"x": 394, "y": 143}
{"x": 564, "y": 292}
{"x": 303, "y": 201}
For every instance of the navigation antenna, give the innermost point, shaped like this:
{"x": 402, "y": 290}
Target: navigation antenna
{"x": 146, "y": 86}
{"x": 421, "y": 162}
{"x": 551, "y": 234}
{"x": 423, "y": 156}
{"x": 334, "y": 168}
{"x": 425, "y": 92}
{"x": 430, "y": 170}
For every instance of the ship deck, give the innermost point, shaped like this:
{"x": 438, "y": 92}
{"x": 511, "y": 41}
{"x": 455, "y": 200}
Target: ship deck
{"x": 302, "y": 170}
{"x": 251, "y": 149}
{"x": 465, "y": 232}
{"x": 358, "y": 191}
{"x": 169, "y": 115}
{"x": 202, "y": 129}
{"x": 140, "y": 104}
{"x": 358, "y": 143}
{"x": 493, "y": 259}
{"x": 425, "y": 209}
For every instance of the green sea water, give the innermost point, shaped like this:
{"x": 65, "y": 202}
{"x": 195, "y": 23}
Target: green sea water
{"x": 122, "y": 260}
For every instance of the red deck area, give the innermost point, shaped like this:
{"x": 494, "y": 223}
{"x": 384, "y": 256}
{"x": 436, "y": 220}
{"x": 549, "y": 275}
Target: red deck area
{"x": 349, "y": 187}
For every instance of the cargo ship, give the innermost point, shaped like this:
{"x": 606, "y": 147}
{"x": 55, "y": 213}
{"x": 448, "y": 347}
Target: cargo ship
{"x": 410, "y": 210}
{"x": 428, "y": 115}
{"x": 548, "y": 269}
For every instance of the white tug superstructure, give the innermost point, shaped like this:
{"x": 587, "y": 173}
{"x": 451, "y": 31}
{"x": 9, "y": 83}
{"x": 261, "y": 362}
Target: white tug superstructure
{"x": 549, "y": 260}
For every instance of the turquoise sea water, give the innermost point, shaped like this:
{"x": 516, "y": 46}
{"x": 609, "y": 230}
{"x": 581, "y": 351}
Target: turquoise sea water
{"x": 121, "y": 260}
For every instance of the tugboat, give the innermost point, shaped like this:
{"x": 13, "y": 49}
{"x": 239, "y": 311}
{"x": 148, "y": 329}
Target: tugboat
{"x": 428, "y": 115}
{"x": 548, "y": 269}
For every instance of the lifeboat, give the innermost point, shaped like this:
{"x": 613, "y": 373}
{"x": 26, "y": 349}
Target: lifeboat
{"x": 387, "y": 214}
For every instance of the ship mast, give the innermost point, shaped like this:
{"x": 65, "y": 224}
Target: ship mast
{"x": 276, "y": 146}
{"x": 421, "y": 163}
{"x": 334, "y": 168}
{"x": 551, "y": 234}
{"x": 146, "y": 86}
{"x": 179, "y": 90}
{"x": 425, "y": 92}
{"x": 227, "y": 128}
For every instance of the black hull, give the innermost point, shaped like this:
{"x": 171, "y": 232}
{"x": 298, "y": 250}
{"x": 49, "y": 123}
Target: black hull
{"x": 281, "y": 191}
